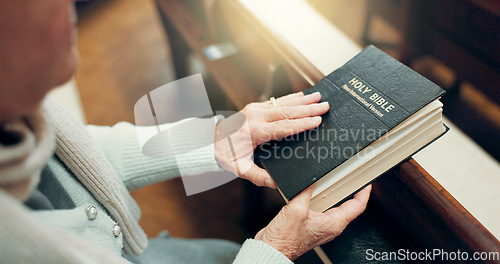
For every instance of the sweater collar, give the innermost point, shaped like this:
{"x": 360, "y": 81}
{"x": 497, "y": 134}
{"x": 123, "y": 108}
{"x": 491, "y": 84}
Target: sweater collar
{"x": 26, "y": 144}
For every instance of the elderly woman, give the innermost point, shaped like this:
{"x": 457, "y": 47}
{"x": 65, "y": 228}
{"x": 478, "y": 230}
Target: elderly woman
{"x": 64, "y": 188}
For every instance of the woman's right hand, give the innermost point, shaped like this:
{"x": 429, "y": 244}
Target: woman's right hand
{"x": 297, "y": 229}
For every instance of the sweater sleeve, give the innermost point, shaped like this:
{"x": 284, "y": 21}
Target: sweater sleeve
{"x": 121, "y": 145}
{"x": 256, "y": 251}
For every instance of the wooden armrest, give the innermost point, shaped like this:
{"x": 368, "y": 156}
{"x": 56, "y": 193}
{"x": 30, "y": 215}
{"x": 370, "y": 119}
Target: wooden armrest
{"x": 232, "y": 82}
{"x": 461, "y": 223}
{"x": 427, "y": 214}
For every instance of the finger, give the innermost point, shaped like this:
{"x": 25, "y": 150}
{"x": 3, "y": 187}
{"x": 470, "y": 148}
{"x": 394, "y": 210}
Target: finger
{"x": 364, "y": 195}
{"x": 299, "y": 100}
{"x": 279, "y": 101}
{"x": 294, "y": 112}
{"x": 290, "y": 96}
{"x": 304, "y": 198}
{"x": 351, "y": 209}
{"x": 283, "y": 128}
{"x": 259, "y": 177}
{"x": 298, "y": 207}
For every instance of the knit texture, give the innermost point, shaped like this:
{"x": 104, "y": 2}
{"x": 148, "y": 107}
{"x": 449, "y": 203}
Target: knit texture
{"x": 26, "y": 239}
{"x": 121, "y": 147}
{"x": 24, "y": 151}
{"x": 22, "y": 159}
{"x": 23, "y": 239}
{"x": 256, "y": 251}
{"x": 90, "y": 166}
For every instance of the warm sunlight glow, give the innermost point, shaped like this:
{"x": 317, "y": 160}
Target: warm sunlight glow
{"x": 296, "y": 21}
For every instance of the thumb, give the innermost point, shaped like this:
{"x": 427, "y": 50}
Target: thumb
{"x": 303, "y": 198}
{"x": 259, "y": 177}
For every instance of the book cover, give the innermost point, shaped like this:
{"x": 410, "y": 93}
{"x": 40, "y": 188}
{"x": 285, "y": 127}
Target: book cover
{"x": 368, "y": 96}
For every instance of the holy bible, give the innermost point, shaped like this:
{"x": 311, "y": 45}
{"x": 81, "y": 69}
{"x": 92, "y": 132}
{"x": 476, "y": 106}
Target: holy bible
{"x": 381, "y": 113}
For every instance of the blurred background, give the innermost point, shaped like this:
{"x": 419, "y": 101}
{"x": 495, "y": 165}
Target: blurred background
{"x": 130, "y": 47}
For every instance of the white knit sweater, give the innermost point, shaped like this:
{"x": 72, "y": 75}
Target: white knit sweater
{"x": 106, "y": 170}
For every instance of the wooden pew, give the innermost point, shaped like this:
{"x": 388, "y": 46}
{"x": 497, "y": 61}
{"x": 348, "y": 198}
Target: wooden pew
{"x": 424, "y": 214}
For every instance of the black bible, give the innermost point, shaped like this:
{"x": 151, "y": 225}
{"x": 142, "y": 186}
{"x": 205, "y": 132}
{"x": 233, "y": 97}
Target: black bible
{"x": 381, "y": 113}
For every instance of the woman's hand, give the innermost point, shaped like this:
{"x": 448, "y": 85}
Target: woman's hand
{"x": 239, "y": 135}
{"x": 296, "y": 229}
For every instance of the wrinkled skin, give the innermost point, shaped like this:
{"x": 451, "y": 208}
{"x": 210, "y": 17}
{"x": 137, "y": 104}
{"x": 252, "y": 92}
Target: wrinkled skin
{"x": 295, "y": 113}
{"x": 38, "y": 53}
{"x": 297, "y": 229}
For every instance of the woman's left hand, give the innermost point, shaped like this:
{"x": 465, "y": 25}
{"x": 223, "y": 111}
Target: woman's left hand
{"x": 258, "y": 123}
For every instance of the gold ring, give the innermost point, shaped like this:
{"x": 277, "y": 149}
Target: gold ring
{"x": 273, "y": 104}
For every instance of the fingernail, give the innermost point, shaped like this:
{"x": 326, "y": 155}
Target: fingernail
{"x": 269, "y": 183}
{"x": 317, "y": 119}
{"x": 324, "y": 104}
{"x": 313, "y": 94}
